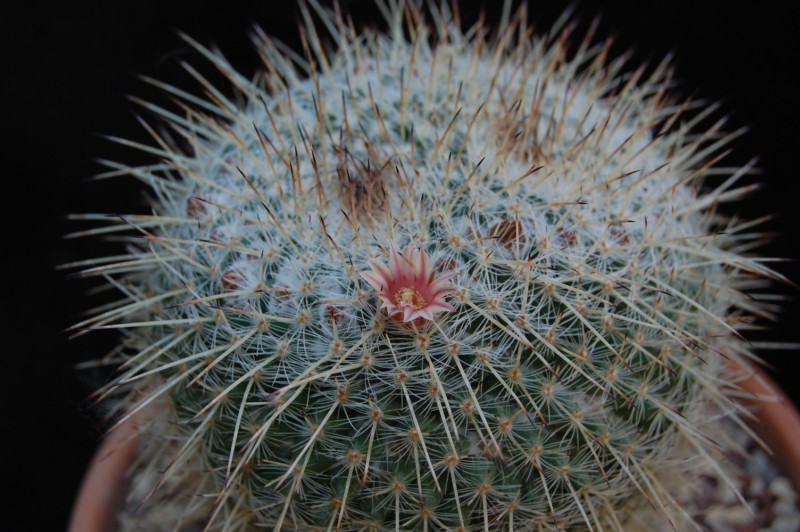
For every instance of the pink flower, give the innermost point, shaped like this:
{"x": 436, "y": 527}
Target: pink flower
{"x": 409, "y": 288}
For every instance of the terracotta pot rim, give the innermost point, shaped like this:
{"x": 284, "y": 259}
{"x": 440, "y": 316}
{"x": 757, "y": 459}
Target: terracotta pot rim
{"x": 775, "y": 419}
{"x": 103, "y": 488}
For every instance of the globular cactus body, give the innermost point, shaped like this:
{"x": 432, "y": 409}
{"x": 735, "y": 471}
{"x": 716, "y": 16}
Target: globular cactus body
{"x": 430, "y": 281}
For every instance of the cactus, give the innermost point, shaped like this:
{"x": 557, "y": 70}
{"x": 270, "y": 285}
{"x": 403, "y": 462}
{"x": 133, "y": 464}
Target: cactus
{"x": 429, "y": 280}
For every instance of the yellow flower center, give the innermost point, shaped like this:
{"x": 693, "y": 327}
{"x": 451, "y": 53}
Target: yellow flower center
{"x": 410, "y": 295}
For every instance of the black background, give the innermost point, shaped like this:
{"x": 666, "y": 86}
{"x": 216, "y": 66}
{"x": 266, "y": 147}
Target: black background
{"x": 67, "y": 69}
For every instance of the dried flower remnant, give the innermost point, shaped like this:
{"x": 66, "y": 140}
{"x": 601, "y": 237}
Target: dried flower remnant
{"x": 409, "y": 288}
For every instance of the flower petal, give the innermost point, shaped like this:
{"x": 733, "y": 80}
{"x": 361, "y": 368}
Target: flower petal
{"x": 408, "y": 285}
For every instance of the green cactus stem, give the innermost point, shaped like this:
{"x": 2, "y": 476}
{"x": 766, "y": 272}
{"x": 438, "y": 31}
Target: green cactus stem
{"x": 429, "y": 280}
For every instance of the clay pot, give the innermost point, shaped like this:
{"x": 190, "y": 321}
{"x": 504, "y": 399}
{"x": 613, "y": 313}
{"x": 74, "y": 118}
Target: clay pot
{"x": 104, "y": 486}
{"x": 777, "y": 422}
